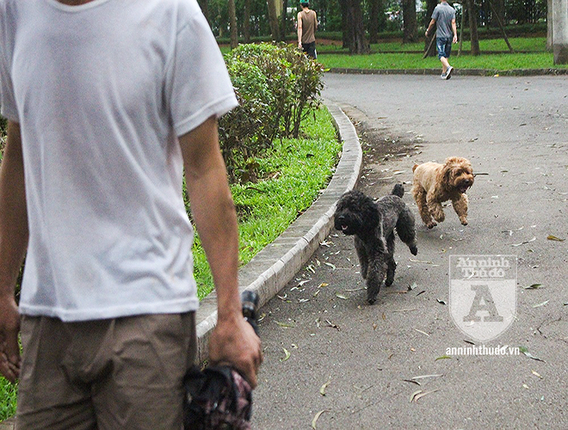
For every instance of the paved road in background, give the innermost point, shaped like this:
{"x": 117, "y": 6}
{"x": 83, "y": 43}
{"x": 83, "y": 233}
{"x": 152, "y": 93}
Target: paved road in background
{"x": 334, "y": 362}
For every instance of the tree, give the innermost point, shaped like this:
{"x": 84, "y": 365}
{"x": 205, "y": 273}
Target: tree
{"x": 204, "y": 9}
{"x": 233, "y": 24}
{"x": 354, "y": 27}
{"x": 409, "y": 19}
{"x": 284, "y": 20}
{"x": 273, "y": 7}
{"x": 429, "y": 44}
{"x": 246, "y": 21}
{"x": 374, "y": 7}
{"x": 472, "y": 12}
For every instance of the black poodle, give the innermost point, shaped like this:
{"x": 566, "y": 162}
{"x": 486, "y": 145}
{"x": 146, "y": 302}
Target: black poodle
{"x": 373, "y": 226}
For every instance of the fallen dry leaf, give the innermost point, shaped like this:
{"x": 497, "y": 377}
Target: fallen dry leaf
{"x": 286, "y": 355}
{"x": 323, "y": 387}
{"x": 420, "y": 395}
{"x": 285, "y": 325}
{"x": 422, "y": 332}
{"x": 316, "y": 417}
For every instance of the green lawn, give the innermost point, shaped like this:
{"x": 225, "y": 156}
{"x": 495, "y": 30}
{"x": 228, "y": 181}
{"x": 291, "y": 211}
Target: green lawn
{"x": 532, "y": 44}
{"x": 493, "y": 62}
{"x": 394, "y": 55}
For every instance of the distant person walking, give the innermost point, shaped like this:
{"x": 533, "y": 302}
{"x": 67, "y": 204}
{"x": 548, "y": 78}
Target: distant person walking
{"x": 444, "y": 17}
{"x": 307, "y": 26}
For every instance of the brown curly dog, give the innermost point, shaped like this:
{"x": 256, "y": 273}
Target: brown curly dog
{"x": 436, "y": 183}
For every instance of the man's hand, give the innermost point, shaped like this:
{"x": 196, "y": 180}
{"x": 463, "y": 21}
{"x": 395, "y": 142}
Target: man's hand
{"x": 234, "y": 342}
{"x": 455, "y": 39}
{"x": 300, "y": 45}
{"x": 10, "y": 360}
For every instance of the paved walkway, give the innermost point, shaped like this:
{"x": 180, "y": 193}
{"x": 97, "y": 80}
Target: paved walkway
{"x": 333, "y": 362}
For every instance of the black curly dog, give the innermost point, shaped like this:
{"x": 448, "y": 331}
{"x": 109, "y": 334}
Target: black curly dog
{"x": 373, "y": 226}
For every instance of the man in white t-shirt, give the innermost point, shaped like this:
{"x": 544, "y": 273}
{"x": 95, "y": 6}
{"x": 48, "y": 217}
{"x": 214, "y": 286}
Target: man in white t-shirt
{"x": 108, "y": 102}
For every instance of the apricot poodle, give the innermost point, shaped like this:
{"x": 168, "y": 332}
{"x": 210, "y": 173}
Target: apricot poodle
{"x": 436, "y": 183}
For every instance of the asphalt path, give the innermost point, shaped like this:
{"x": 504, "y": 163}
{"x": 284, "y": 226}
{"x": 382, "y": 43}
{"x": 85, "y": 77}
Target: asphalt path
{"x": 334, "y": 362}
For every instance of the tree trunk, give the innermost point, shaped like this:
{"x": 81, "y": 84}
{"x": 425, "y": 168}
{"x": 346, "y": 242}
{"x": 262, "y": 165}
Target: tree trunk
{"x": 273, "y": 20}
{"x": 429, "y": 48}
{"x": 549, "y": 26}
{"x": 204, "y": 9}
{"x": 345, "y": 34}
{"x": 409, "y": 21}
{"x": 246, "y": 23}
{"x": 284, "y": 20}
{"x": 374, "y": 20}
{"x": 472, "y": 12}
{"x": 233, "y": 24}
{"x": 358, "y": 43}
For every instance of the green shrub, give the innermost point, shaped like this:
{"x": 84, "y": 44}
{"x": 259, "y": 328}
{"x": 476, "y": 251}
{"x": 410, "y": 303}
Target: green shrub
{"x": 277, "y": 86}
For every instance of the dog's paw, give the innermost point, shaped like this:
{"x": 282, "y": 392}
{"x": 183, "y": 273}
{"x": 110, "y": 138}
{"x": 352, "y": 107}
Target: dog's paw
{"x": 463, "y": 221}
{"x": 431, "y": 224}
{"x": 413, "y": 250}
{"x": 371, "y": 301}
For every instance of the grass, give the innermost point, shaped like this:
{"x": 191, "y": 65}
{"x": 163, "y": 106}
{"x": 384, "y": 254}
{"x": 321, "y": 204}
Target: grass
{"x": 495, "y": 62}
{"x": 8, "y": 394}
{"x": 528, "y": 44}
{"x": 294, "y": 172}
{"x": 395, "y": 55}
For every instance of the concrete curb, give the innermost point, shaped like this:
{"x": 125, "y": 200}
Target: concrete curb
{"x": 271, "y": 269}
{"x": 458, "y": 72}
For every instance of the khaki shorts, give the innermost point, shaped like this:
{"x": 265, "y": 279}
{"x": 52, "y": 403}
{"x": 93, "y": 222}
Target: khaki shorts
{"x": 123, "y": 373}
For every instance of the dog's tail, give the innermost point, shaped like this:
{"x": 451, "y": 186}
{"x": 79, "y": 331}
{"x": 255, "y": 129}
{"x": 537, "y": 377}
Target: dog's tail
{"x": 414, "y": 167}
{"x": 398, "y": 190}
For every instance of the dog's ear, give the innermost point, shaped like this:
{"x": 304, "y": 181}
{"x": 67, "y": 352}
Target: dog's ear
{"x": 445, "y": 172}
{"x": 371, "y": 215}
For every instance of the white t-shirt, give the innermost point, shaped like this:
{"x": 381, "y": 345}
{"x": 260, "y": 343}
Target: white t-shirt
{"x": 101, "y": 91}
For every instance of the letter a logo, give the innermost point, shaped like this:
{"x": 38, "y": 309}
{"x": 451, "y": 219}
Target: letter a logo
{"x": 483, "y": 302}
{"x": 482, "y": 294}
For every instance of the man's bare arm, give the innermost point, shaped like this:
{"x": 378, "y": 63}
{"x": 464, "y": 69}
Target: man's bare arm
{"x": 300, "y": 29}
{"x": 233, "y": 340}
{"x": 430, "y": 26}
{"x": 455, "y": 31}
{"x": 13, "y": 245}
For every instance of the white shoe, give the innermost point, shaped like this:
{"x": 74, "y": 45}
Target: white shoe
{"x": 444, "y": 76}
{"x": 449, "y": 72}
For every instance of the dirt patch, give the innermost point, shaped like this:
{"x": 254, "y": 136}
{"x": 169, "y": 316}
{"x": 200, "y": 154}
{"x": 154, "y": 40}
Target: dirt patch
{"x": 380, "y": 147}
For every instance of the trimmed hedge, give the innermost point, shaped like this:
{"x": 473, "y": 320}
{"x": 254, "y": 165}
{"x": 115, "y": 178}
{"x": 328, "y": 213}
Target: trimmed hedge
{"x": 277, "y": 86}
